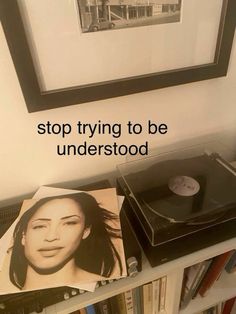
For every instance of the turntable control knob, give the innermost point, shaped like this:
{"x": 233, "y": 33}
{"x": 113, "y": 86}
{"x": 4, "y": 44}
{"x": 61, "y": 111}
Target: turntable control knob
{"x": 2, "y": 306}
{"x": 73, "y": 292}
{"x": 132, "y": 261}
{"x": 103, "y": 282}
{"x": 66, "y": 296}
{"x": 132, "y": 264}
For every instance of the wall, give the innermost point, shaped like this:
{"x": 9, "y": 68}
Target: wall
{"x": 28, "y": 160}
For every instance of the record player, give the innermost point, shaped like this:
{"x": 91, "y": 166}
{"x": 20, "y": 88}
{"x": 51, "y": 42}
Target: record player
{"x": 179, "y": 202}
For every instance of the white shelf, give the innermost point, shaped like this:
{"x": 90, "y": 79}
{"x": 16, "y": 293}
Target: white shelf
{"x": 224, "y": 289}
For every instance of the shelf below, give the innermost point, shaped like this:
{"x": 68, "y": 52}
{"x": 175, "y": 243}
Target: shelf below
{"x": 148, "y": 274}
{"x": 223, "y": 289}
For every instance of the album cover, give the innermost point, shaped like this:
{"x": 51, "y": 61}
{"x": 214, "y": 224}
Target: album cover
{"x": 65, "y": 239}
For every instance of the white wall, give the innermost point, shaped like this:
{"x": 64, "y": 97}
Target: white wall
{"x": 28, "y": 160}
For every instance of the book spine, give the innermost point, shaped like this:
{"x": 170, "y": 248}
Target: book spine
{"x": 228, "y": 306}
{"x": 163, "y": 285}
{"x": 120, "y": 299}
{"x": 207, "y": 264}
{"x": 114, "y": 305}
{"x": 155, "y": 296}
{"x": 214, "y": 272}
{"x": 90, "y": 309}
{"x": 191, "y": 290}
{"x": 231, "y": 265}
{"x": 137, "y": 300}
{"x": 129, "y": 302}
{"x": 147, "y": 298}
{"x": 103, "y": 307}
{"x": 191, "y": 275}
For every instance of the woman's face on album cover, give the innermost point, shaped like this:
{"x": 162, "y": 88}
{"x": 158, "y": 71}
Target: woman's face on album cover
{"x": 54, "y": 233}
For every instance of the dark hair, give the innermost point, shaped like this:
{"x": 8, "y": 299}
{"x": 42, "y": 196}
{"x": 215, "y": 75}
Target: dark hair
{"x": 96, "y": 254}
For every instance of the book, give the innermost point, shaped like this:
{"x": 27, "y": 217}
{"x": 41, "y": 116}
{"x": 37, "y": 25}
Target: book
{"x": 114, "y": 305}
{"x": 129, "y": 302}
{"x": 215, "y": 269}
{"x": 90, "y": 309}
{"x": 155, "y": 296}
{"x": 81, "y": 311}
{"x": 117, "y": 304}
{"x": 193, "y": 276}
{"x": 230, "y": 267}
{"x": 199, "y": 283}
{"x": 147, "y": 298}
{"x": 211, "y": 310}
{"x": 163, "y": 284}
{"x": 103, "y": 307}
{"x": 137, "y": 300}
{"x": 228, "y": 306}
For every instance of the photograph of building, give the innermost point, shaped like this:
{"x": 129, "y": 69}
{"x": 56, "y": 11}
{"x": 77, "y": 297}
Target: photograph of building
{"x": 96, "y": 15}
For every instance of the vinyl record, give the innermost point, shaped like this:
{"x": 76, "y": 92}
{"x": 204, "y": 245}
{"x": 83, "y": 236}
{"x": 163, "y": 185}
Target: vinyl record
{"x": 181, "y": 197}
{"x": 188, "y": 190}
{"x": 183, "y": 185}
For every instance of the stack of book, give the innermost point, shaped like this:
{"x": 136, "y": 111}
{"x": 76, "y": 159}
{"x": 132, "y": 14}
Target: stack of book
{"x": 199, "y": 278}
{"x": 146, "y": 299}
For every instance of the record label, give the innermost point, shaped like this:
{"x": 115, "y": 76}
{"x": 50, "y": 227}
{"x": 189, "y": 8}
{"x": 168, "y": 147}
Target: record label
{"x": 184, "y": 185}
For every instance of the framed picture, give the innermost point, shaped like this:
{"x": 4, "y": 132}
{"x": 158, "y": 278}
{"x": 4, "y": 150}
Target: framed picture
{"x": 76, "y": 51}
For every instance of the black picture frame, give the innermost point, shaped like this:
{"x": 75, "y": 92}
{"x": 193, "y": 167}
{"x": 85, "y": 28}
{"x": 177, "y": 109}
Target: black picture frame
{"x": 37, "y": 100}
